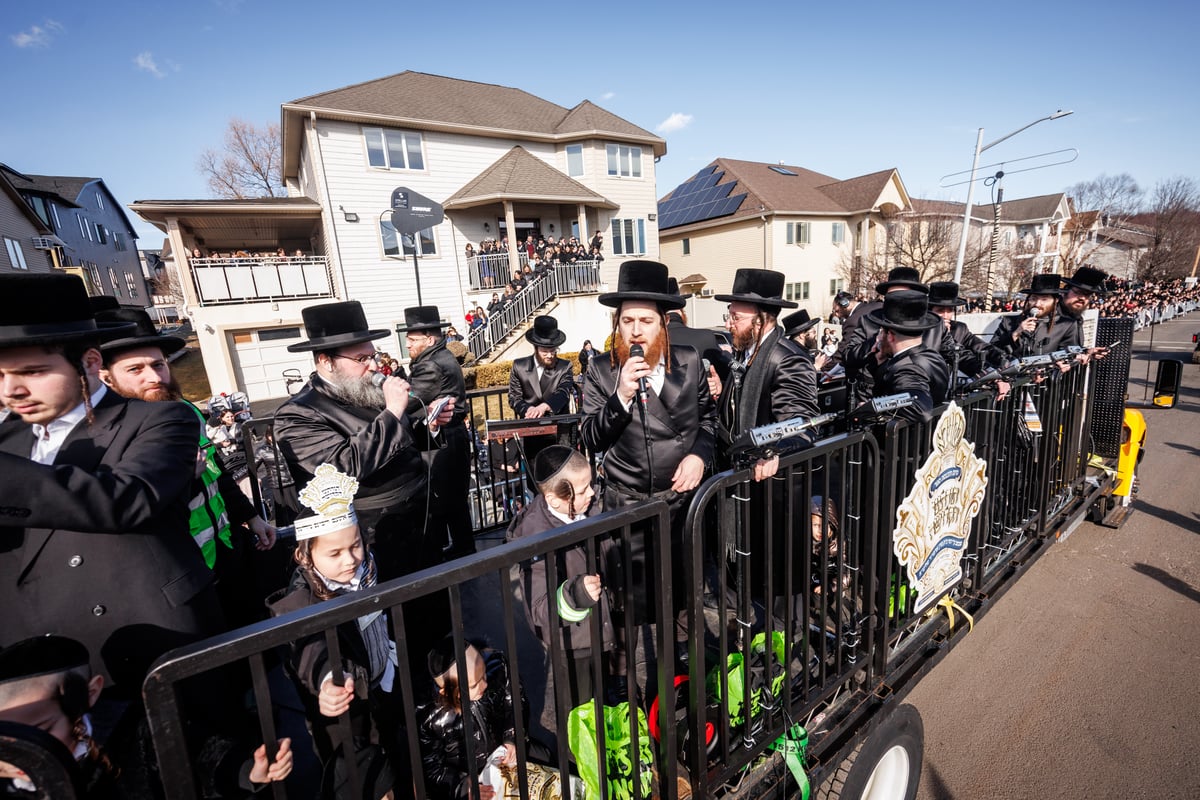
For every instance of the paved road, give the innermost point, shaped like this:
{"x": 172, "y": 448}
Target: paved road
{"x": 1082, "y": 682}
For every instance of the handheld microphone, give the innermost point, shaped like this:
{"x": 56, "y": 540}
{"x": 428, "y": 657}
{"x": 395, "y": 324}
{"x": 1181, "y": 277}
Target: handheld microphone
{"x": 637, "y": 351}
{"x": 377, "y": 379}
{"x": 707, "y": 366}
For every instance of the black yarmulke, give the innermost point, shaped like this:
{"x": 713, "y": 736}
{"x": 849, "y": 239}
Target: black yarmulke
{"x": 549, "y": 461}
{"x": 41, "y": 655}
{"x": 441, "y": 657}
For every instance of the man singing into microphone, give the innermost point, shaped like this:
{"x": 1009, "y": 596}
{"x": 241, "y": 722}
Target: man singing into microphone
{"x": 647, "y": 407}
{"x": 352, "y": 416}
{"x": 1039, "y": 330}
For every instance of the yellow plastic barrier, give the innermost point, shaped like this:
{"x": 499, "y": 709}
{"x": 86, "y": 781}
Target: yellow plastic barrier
{"x": 1133, "y": 437}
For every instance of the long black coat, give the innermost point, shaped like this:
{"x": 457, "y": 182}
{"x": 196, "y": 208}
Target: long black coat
{"x": 525, "y": 390}
{"x": 1044, "y": 339}
{"x": 779, "y": 384}
{"x": 922, "y": 373}
{"x": 704, "y": 342}
{"x": 973, "y": 354}
{"x": 681, "y": 422}
{"x": 96, "y": 546}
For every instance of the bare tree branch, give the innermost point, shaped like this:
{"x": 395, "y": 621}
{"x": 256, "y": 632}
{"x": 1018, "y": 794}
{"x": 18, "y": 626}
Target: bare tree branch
{"x": 249, "y": 165}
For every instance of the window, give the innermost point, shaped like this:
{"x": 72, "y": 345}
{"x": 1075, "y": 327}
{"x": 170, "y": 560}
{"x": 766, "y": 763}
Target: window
{"x": 796, "y": 291}
{"x": 624, "y": 161}
{"x": 54, "y": 213}
{"x": 118, "y": 240}
{"x": 839, "y": 232}
{"x": 83, "y": 226}
{"x": 575, "y": 160}
{"x": 391, "y": 241}
{"x": 628, "y": 237}
{"x": 112, "y": 278}
{"x": 836, "y": 285}
{"x": 16, "y": 256}
{"x": 94, "y": 271}
{"x": 799, "y": 232}
{"x": 130, "y": 284}
{"x": 101, "y": 236}
{"x": 687, "y": 247}
{"x": 39, "y": 207}
{"x": 390, "y": 149}
{"x": 278, "y": 334}
{"x": 99, "y": 200}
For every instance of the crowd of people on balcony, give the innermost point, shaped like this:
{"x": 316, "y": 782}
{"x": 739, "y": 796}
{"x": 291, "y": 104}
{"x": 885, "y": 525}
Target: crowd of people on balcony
{"x": 537, "y": 255}
{"x": 279, "y": 254}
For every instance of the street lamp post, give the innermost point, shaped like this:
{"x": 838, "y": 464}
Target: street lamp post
{"x": 979, "y": 148}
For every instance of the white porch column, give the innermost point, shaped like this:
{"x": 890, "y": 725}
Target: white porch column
{"x": 581, "y": 212}
{"x": 514, "y": 252}
{"x": 183, "y": 266}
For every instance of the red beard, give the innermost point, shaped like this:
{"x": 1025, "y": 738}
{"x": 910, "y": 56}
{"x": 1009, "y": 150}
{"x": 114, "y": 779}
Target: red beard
{"x": 654, "y": 350}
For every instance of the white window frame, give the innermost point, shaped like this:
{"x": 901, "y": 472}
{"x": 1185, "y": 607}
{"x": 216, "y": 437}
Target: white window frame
{"x": 130, "y": 284}
{"x": 112, "y": 278}
{"x": 15, "y": 254}
{"x": 797, "y": 291}
{"x": 428, "y": 239}
{"x": 575, "y": 153}
{"x": 101, "y": 237}
{"x": 83, "y": 226}
{"x": 387, "y": 164}
{"x": 54, "y": 213}
{"x": 836, "y": 285}
{"x": 799, "y": 233}
{"x": 838, "y": 234}
{"x": 687, "y": 246}
{"x": 626, "y": 230}
{"x": 624, "y": 161}
{"x": 99, "y": 199}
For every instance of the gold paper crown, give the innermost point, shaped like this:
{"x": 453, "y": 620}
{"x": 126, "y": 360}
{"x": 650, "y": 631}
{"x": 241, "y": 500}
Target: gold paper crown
{"x": 330, "y": 495}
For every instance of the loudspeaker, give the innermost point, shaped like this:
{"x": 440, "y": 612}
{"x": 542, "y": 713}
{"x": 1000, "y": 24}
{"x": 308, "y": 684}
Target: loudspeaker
{"x": 1111, "y": 385}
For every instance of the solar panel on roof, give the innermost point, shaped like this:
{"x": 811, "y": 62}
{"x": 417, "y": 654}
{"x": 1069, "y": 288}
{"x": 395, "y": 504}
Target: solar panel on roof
{"x": 781, "y": 170}
{"x": 703, "y": 197}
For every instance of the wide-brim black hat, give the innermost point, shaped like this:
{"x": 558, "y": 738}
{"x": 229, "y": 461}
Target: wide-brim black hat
{"x": 643, "y": 280}
{"x": 945, "y": 293}
{"x": 1044, "y": 284}
{"x": 333, "y": 325}
{"x": 545, "y": 332}
{"x": 41, "y": 655}
{"x": 144, "y": 334}
{"x": 798, "y": 322}
{"x": 902, "y": 277}
{"x": 905, "y": 312}
{"x": 673, "y": 288}
{"x": 47, "y": 308}
{"x": 422, "y": 318}
{"x": 1088, "y": 279}
{"x": 762, "y": 287}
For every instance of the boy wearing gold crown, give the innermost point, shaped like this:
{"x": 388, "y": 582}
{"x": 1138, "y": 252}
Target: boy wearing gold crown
{"x": 332, "y": 560}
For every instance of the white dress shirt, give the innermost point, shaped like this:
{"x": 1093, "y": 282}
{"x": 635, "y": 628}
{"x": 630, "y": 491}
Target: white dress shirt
{"x": 48, "y": 439}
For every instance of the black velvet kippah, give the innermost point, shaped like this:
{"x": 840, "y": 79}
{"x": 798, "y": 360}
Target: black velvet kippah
{"x": 548, "y": 462}
{"x": 41, "y": 655}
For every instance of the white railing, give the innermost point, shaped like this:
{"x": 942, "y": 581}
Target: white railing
{"x": 260, "y": 280}
{"x": 492, "y": 270}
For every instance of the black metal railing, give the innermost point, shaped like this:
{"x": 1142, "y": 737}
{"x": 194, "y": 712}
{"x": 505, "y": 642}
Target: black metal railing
{"x": 582, "y": 276}
{"x": 469, "y": 585}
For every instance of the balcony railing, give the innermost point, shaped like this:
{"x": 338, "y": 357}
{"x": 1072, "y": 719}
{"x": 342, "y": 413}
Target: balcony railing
{"x": 492, "y": 270}
{"x": 221, "y": 281}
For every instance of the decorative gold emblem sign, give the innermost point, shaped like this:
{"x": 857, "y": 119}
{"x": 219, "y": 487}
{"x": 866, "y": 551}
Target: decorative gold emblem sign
{"x": 933, "y": 522}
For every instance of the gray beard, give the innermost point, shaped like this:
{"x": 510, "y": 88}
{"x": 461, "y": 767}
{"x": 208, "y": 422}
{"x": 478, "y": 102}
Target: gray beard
{"x": 359, "y": 392}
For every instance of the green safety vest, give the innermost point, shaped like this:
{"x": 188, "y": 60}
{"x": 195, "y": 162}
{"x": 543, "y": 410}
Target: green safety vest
{"x": 208, "y": 519}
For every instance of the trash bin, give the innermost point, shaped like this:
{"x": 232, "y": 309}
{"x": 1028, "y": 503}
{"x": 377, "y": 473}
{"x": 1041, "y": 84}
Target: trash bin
{"x": 1166, "y": 382}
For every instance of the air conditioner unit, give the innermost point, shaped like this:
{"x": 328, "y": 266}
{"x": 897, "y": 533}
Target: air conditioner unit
{"x": 43, "y": 243}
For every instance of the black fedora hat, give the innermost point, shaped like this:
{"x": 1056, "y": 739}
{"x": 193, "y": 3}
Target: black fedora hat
{"x": 1044, "y": 284}
{"x": 762, "y": 287}
{"x": 643, "y": 280}
{"x": 46, "y": 308}
{"x": 144, "y": 334}
{"x": 1088, "y": 279}
{"x": 333, "y": 325}
{"x": 422, "y": 318}
{"x": 545, "y": 332}
{"x": 673, "y": 288}
{"x": 945, "y": 293}
{"x": 902, "y": 277}
{"x": 905, "y": 312}
{"x": 798, "y": 322}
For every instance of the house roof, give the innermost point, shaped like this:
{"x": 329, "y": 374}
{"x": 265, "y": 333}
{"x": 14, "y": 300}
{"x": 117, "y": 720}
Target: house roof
{"x": 519, "y": 175}
{"x": 66, "y": 189}
{"x": 937, "y": 207}
{"x": 422, "y": 101}
{"x": 7, "y": 187}
{"x": 252, "y": 223}
{"x": 768, "y": 188}
{"x": 1027, "y": 209}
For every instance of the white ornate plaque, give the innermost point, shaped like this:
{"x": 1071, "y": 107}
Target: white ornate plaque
{"x": 933, "y": 522}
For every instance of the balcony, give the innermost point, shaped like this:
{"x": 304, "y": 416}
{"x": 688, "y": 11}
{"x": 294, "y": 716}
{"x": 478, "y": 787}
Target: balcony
{"x": 225, "y": 281}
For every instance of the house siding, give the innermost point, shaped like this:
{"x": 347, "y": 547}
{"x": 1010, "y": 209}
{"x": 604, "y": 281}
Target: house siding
{"x": 15, "y": 225}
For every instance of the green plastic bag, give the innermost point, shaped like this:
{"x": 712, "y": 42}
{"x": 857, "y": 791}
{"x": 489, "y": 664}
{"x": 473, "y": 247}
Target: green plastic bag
{"x": 581, "y": 736}
{"x": 737, "y": 692}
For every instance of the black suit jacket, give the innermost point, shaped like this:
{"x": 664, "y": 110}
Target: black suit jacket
{"x": 922, "y": 373}
{"x": 376, "y": 448}
{"x": 681, "y": 422}
{"x": 1044, "y": 339}
{"x": 972, "y": 353}
{"x": 525, "y": 390}
{"x": 96, "y": 545}
{"x": 779, "y": 384}
{"x": 704, "y": 342}
{"x": 436, "y": 373}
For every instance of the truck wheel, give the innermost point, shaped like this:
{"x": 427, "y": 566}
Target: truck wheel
{"x": 887, "y": 766}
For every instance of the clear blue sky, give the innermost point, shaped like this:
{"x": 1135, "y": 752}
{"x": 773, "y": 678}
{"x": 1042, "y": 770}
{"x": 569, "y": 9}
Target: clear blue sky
{"x": 133, "y": 92}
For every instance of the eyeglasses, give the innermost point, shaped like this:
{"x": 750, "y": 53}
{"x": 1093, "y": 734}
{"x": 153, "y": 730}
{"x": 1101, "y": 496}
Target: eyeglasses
{"x": 362, "y": 360}
{"x": 736, "y": 316}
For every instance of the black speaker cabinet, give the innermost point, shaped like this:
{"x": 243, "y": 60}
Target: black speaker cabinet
{"x": 1110, "y": 385}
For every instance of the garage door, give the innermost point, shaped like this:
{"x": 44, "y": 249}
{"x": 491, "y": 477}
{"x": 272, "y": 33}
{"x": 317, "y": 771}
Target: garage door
{"x": 260, "y": 358}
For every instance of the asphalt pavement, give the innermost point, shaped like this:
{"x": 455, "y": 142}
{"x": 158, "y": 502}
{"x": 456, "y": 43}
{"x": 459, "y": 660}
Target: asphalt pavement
{"x": 1082, "y": 681}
